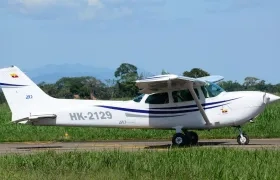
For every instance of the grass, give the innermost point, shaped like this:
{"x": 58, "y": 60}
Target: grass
{"x": 267, "y": 125}
{"x": 192, "y": 163}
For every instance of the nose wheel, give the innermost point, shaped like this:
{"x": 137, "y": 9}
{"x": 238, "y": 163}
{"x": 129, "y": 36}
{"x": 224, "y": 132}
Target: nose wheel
{"x": 242, "y": 138}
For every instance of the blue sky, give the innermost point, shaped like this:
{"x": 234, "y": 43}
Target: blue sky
{"x": 235, "y": 38}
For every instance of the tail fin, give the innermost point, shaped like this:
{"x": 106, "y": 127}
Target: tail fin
{"x": 22, "y": 94}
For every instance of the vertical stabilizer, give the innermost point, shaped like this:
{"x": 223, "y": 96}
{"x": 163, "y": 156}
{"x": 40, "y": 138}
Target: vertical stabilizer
{"x": 22, "y": 94}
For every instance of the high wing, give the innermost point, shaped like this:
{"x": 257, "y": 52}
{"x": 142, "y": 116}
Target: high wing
{"x": 164, "y": 82}
{"x": 213, "y": 78}
{"x": 171, "y": 81}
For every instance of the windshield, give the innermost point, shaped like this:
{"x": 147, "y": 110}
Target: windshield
{"x": 138, "y": 98}
{"x": 212, "y": 90}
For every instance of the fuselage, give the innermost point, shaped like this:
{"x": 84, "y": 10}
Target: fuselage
{"x": 162, "y": 110}
{"x": 174, "y": 102}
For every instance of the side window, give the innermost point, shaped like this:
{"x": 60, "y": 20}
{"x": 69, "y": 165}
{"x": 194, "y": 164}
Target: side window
{"x": 138, "y": 98}
{"x": 183, "y": 95}
{"x": 158, "y": 98}
{"x": 205, "y": 92}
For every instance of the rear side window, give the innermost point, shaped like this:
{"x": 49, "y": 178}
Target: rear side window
{"x": 158, "y": 98}
{"x": 183, "y": 95}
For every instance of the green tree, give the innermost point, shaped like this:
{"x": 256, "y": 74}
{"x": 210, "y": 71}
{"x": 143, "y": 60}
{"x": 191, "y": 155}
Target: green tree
{"x": 250, "y": 83}
{"x": 49, "y": 89}
{"x": 144, "y": 75}
{"x": 111, "y": 86}
{"x": 196, "y": 73}
{"x": 164, "y": 72}
{"x": 67, "y": 87}
{"x": 126, "y": 75}
{"x": 261, "y": 86}
{"x": 231, "y": 86}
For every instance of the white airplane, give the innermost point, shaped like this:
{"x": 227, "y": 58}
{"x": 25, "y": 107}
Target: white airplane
{"x": 167, "y": 102}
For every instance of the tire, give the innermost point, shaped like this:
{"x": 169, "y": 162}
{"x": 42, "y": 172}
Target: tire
{"x": 244, "y": 141}
{"x": 194, "y": 137}
{"x": 179, "y": 139}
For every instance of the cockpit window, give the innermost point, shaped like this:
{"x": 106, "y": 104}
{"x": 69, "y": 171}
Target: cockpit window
{"x": 138, "y": 98}
{"x": 211, "y": 90}
{"x": 158, "y": 98}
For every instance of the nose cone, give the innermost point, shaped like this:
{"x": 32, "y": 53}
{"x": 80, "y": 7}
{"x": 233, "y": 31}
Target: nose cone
{"x": 271, "y": 98}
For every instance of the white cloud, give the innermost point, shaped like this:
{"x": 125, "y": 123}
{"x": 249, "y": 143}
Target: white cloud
{"x": 97, "y": 3}
{"x": 83, "y": 9}
{"x": 37, "y": 6}
{"x": 53, "y": 8}
{"x": 91, "y": 10}
{"x": 33, "y": 3}
{"x": 28, "y": 4}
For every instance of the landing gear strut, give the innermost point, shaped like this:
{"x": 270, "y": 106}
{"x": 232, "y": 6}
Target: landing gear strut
{"x": 242, "y": 138}
{"x": 185, "y": 139}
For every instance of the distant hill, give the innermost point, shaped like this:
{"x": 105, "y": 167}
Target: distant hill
{"x": 52, "y": 72}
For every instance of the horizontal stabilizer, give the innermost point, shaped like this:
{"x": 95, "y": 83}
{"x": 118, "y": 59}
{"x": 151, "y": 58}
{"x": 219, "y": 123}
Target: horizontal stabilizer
{"x": 43, "y": 116}
{"x": 36, "y": 117}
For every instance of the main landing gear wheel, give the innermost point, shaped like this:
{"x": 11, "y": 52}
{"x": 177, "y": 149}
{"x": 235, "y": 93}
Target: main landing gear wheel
{"x": 180, "y": 139}
{"x": 194, "y": 137}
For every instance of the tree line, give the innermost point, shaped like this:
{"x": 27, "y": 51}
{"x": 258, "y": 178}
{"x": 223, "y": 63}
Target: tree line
{"x": 122, "y": 85}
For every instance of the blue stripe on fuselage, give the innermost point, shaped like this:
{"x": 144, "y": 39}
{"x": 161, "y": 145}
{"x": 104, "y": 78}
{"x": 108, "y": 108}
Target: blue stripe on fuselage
{"x": 155, "y": 111}
{"x": 194, "y": 106}
{"x": 13, "y": 85}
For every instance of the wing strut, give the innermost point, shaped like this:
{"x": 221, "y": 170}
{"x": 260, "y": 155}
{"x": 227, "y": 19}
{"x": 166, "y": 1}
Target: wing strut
{"x": 198, "y": 104}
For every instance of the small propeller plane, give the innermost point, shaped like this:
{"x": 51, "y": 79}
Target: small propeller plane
{"x": 167, "y": 101}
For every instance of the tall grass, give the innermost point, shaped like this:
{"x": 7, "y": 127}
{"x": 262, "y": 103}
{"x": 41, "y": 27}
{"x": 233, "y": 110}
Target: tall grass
{"x": 193, "y": 163}
{"x": 267, "y": 125}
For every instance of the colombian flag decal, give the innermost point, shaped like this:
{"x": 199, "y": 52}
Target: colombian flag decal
{"x": 14, "y": 75}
